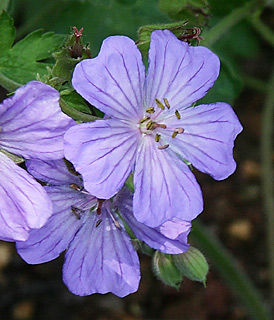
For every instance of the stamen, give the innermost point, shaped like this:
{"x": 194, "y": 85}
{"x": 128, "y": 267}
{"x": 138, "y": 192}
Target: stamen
{"x": 98, "y": 223}
{"x": 159, "y": 104}
{"x": 177, "y": 114}
{"x": 99, "y": 208}
{"x": 177, "y": 131}
{"x": 166, "y": 103}
{"x": 157, "y": 137}
{"x": 77, "y": 212}
{"x": 149, "y": 125}
{"x": 174, "y": 134}
{"x": 160, "y": 125}
{"x": 163, "y": 146}
{"x": 145, "y": 119}
{"x": 116, "y": 223}
{"x": 74, "y": 186}
{"x": 150, "y": 110}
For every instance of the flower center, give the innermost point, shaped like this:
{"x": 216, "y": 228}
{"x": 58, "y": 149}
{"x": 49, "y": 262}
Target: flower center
{"x": 148, "y": 125}
{"x": 91, "y": 204}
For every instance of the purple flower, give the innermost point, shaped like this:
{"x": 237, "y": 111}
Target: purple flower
{"x": 100, "y": 257}
{"x": 32, "y": 126}
{"x": 153, "y": 128}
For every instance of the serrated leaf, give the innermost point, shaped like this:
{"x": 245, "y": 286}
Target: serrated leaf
{"x": 38, "y": 45}
{"x": 22, "y": 62}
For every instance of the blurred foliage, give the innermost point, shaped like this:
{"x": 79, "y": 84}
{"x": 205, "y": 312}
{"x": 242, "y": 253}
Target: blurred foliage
{"x": 101, "y": 18}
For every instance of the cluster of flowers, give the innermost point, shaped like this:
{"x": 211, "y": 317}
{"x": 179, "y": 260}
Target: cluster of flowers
{"x": 150, "y": 128}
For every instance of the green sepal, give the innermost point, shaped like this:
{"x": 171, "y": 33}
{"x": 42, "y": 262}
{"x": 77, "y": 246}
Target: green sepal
{"x": 129, "y": 183}
{"x": 15, "y": 158}
{"x": 64, "y": 65}
{"x": 192, "y": 264}
{"x": 144, "y": 33}
{"x": 165, "y": 269}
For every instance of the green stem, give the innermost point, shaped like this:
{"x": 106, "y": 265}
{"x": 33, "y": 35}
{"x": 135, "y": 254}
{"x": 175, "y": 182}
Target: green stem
{"x": 261, "y": 28}
{"x": 75, "y": 114}
{"x": 8, "y": 84}
{"x": 221, "y": 28}
{"x": 267, "y": 173}
{"x": 230, "y": 271}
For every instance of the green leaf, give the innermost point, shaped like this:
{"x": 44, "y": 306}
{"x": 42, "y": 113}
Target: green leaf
{"x": 7, "y": 29}
{"x": 22, "y": 62}
{"x": 74, "y": 100}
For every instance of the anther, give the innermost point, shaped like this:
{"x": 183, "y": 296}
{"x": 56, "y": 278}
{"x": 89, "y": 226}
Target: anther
{"x": 160, "y": 125}
{"x": 98, "y": 223}
{"x": 99, "y": 208}
{"x": 77, "y": 212}
{"x": 159, "y": 104}
{"x": 177, "y": 114}
{"x": 177, "y": 131}
{"x": 74, "y": 186}
{"x": 149, "y": 125}
{"x": 145, "y": 119}
{"x": 150, "y": 110}
{"x": 157, "y": 137}
{"x": 163, "y": 146}
{"x": 166, "y": 103}
{"x": 116, "y": 223}
{"x": 174, "y": 134}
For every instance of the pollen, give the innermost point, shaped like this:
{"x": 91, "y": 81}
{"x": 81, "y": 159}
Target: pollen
{"x": 159, "y": 104}
{"x": 157, "y": 137}
{"x": 166, "y": 103}
{"x": 144, "y": 119}
{"x": 149, "y": 125}
{"x": 150, "y": 110}
{"x": 177, "y": 114}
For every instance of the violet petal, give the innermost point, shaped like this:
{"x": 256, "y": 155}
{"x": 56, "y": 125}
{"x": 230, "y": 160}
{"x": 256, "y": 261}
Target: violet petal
{"x": 24, "y": 202}
{"x": 32, "y": 123}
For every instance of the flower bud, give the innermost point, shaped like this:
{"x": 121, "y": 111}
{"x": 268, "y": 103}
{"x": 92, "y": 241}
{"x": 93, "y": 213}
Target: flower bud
{"x": 192, "y": 264}
{"x": 165, "y": 270}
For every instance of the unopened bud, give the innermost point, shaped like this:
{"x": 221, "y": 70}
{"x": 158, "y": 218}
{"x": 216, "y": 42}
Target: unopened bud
{"x": 192, "y": 264}
{"x": 165, "y": 270}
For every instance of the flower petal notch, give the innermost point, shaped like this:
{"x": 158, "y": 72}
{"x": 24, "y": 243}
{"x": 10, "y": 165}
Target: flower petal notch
{"x": 160, "y": 132}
